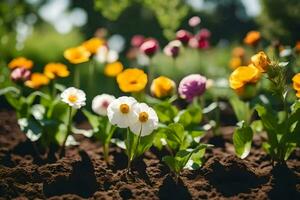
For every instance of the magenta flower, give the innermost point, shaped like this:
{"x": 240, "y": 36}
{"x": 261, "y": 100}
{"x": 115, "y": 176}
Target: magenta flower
{"x": 192, "y": 86}
{"x": 183, "y": 36}
{"x": 203, "y": 44}
{"x": 149, "y": 47}
{"x": 20, "y": 75}
{"x": 137, "y": 40}
{"x": 194, "y": 21}
{"x": 203, "y": 34}
{"x": 172, "y": 49}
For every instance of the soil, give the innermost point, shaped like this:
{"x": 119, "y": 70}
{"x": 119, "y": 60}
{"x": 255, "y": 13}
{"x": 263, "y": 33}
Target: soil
{"x": 82, "y": 173}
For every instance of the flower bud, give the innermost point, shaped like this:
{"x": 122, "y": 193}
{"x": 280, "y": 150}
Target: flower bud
{"x": 162, "y": 87}
{"x": 194, "y": 21}
{"x": 149, "y": 47}
{"x": 261, "y": 61}
{"x": 20, "y": 75}
{"x": 203, "y": 34}
{"x": 183, "y": 36}
{"x": 173, "y": 48}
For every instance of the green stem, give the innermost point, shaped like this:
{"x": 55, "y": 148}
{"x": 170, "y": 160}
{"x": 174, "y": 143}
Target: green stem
{"x": 62, "y": 151}
{"x": 53, "y": 89}
{"x": 128, "y": 150}
{"x": 76, "y": 77}
{"x": 150, "y": 71}
{"x": 106, "y": 152}
{"x": 137, "y": 144}
{"x": 91, "y": 74}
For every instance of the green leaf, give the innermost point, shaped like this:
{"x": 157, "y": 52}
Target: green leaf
{"x": 175, "y": 133}
{"x": 195, "y": 111}
{"x": 242, "y": 140}
{"x": 184, "y": 118}
{"x": 30, "y": 98}
{"x": 93, "y": 119}
{"x": 31, "y": 128}
{"x": 241, "y": 109}
{"x": 166, "y": 112}
{"x": 171, "y": 162}
{"x": 59, "y": 110}
{"x": 9, "y": 89}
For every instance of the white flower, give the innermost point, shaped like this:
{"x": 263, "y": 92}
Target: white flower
{"x": 101, "y": 102}
{"x": 73, "y": 97}
{"x": 146, "y": 119}
{"x": 104, "y": 55}
{"x": 120, "y": 111}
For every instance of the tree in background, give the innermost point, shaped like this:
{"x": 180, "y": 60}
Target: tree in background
{"x": 280, "y": 19}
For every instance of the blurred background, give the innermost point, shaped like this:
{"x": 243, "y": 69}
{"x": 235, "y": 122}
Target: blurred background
{"x": 42, "y": 29}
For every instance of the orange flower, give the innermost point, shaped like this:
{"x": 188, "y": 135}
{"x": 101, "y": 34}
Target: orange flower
{"x": 77, "y": 55}
{"x": 93, "y": 44}
{"x": 296, "y": 84}
{"x": 243, "y": 75}
{"x": 297, "y": 47}
{"x": 20, "y": 62}
{"x": 261, "y": 61}
{"x": 238, "y": 52}
{"x": 162, "y": 87}
{"x": 132, "y": 80}
{"x": 37, "y": 80}
{"x": 113, "y": 69}
{"x": 53, "y": 70}
{"x": 252, "y": 38}
{"x": 235, "y": 62}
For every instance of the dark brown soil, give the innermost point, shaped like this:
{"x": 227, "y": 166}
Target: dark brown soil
{"x": 83, "y": 173}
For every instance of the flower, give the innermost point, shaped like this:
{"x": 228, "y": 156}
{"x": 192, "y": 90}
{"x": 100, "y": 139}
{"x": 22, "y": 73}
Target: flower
{"x": 193, "y": 42}
{"x": 203, "y": 44}
{"x": 132, "y": 80}
{"x": 183, "y": 36}
{"x": 235, "y": 62}
{"x": 296, "y": 84}
{"x": 93, "y": 44}
{"x": 73, "y": 97}
{"x": 37, "y": 80}
{"x": 104, "y": 55}
{"x": 194, "y": 21}
{"x": 162, "y": 87}
{"x": 297, "y": 46}
{"x": 172, "y": 49}
{"x": 77, "y": 55}
{"x": 20, "y": 62}
{"x": 145, "y": 120}
{"x": 137, "y": 40}
{"x": 101, "y": 102}
{"x": 20, "y": 75}
{"x": 261, "y": 61}
{"x": 120, "y": 111}
{"x": 192, "y": 86}
{"x": 242, "y": 76}
{"x": 113, "y": 69}
{"x": 53, "y": 70}
{"x": 203, "y": 34}
{"x": 252, "y": 38}
{"x": 238, "y": 52}
{"x": 149, "y": 47}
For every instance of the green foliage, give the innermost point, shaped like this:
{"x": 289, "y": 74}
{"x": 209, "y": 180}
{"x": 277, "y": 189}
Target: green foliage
{"x": 242, "y": 140}
{"x": 165, "y": 11}
{"x": 242, "y": 109}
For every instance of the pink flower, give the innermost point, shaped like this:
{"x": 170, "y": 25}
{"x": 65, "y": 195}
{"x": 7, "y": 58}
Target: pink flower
{"x": 172, "y": 49}
{"x": 192, "y": 86}
{"x": 137, "y": 40}
{"x": 20, "y": 75}
{"x": 193, "y": 43}
{"x": 183, "y": 36}
{"x": 149, "y": 47}
{"x": 194, "y": 21}
{"x": 203, "y": 34}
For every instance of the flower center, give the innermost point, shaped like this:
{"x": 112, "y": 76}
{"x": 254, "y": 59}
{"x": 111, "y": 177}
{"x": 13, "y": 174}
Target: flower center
{"x": 143, "y": 117}
{"x": 72, "y": 98}
{"x": 105, "y": 104}
{"x": 133, "y": 82}
{"x": 124, "y": 108}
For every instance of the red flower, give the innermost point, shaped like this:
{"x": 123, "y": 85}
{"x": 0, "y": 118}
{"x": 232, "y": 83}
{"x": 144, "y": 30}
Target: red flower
{"x": 183, "y": 36}
{"x": 149, "y": 47}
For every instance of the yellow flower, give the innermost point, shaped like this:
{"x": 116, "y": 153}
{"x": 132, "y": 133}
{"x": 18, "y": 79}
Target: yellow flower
{"x": 77, "y": 55}
{"x": 296, "y": 84}
{"x": 243, "y": 75}
{"x": 252, "y": 38}
{"x": 261, "y": 61}
{"x": 53, "y": 70}
{"x": 235, "y": 62}
{"x": 162, "y": 87}
{"x": 20, "y": 62}
{"x": 113, "y": 69}
{"x": 93, "y": 44}
{"x": 37, "y": 80}
{"x": 132, "y": 80}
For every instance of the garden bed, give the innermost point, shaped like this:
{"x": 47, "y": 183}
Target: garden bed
{"x": 84, "y": 174}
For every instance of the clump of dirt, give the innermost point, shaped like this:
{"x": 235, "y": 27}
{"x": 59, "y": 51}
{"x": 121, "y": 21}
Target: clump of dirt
{"x": 82, "y": 173}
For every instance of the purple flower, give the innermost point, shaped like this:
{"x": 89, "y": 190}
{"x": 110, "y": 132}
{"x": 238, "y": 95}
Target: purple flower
{"x": 20, "y": 75}
{"x": 192, "y": 86}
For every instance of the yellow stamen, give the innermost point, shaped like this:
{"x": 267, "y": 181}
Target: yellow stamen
{"x": 124, "y": 108}
{"x": 143, "y": 117}
{"x": 72, "y": 98}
